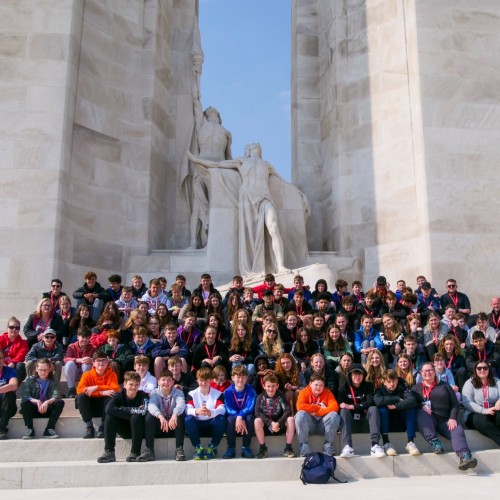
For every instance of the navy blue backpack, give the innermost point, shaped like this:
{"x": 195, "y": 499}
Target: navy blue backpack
{"x": 318, "y": 468}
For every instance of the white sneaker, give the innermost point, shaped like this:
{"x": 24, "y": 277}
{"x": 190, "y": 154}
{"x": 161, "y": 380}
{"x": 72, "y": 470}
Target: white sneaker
{"x": 412, "y": 449}
{"x": 377, "y": 451}
{"x": 347, "y": 452}
{"x": 389, "y": 450}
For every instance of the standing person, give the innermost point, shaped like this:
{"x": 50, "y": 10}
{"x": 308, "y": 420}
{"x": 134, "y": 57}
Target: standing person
{"x": 439, "y": 414}
{"x": 165, "y": 418}
{"x": 8, "y": 387}
{"x": 95, "y": 389}
{"x": 92, "y": 294}
{"x": 205, "y": 416}
{"x": 357, "y": 406}
{"x": 14, "y": 348}
{"x": 240, "y": 404}
{"x": 125, "y": 415}
{"x": 481, "y": 398}
{"x": 317, "y": 413}
{"x": 40, "y": 399}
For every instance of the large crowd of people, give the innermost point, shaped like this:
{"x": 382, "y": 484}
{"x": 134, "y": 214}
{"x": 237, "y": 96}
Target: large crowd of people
{"x": 156, "y": 361}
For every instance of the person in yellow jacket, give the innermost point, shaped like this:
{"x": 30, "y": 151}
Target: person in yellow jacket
{"x": 317, "y": 413}
{"x": 94, "y": 392}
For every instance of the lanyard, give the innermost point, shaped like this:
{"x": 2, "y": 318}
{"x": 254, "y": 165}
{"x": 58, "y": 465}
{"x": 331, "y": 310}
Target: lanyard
{"x": 270, "y": 413}
{"x": 454, "y": 299}
{"x": 353, "y": 396}
{"x": 211, "y": 354}
{"x": 485, "y": 392}
{"x": 238, "y": 404}
{"x": 427, "y": 393}
{"x": 166, "y": 407}
{"x": 450, "y": 362}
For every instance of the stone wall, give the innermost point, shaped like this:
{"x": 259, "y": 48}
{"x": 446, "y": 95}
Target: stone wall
{"x": 407, "y": 98}
{"x": 88, "y": 129}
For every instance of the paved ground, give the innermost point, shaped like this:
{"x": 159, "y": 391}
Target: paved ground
{"x": 443, "y": 487}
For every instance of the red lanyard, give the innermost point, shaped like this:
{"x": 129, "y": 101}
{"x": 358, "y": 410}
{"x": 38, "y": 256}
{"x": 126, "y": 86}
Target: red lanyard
{"x": 427, "y": 393}
{"x": 454, "y": 299}
{"x": 166, "y": 408}
{"x": 353, "y": 396}
{"x": 298, "y": 311}
{"x": 238, "y": 404}
{"x": 270, "y": 413}
{"x": 369, "y": 313}
{"x": 450, "y": 362}
{"x": 211, "y": 354}
{"x": 485, "y": 392}
{"x": 481, "y": 356}
{"x": 496, "y": 322}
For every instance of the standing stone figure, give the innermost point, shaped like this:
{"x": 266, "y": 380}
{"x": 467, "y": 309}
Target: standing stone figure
{"x": 257, "y": 211}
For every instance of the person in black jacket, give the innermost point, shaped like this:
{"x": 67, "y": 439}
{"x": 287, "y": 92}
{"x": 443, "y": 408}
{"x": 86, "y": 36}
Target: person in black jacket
{"x": 92, "y": 294}
{"x": 125, "y": 415}
{"x": 396, "y": 406}
{"x": 356, "y": 406}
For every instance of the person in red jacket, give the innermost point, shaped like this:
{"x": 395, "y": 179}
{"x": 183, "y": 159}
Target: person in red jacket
{"x": 14, "y": 348}
{"x": 78, "y": 359}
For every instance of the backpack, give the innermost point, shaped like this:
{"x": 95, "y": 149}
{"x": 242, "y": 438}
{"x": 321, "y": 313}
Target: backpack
{"x": 318, "y": 468}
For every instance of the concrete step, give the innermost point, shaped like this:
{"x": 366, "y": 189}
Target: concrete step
{"x": 61, "y": 474}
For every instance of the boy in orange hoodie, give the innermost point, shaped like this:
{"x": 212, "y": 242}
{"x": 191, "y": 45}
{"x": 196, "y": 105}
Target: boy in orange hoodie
{"x": 317, "y": 413}
{"x": 94, "y": 392}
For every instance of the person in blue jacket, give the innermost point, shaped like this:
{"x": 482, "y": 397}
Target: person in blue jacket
{"x": 366, "y": 339}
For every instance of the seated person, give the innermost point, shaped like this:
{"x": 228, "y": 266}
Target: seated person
{"x": 94, "y": 392}
{"x": 484, "y": 349}
{"x": 267, "y": 305}
{"x": 148, "y": 382}
{"x": 298, "y": 286}
{"x": 175, "y": 302}
{"x": 182, "y": 380}
{"x": 335, "y": 346}
{"x": 41, "y": 399}
{"x": 291, "y": 379}
{"x": 139, "y": 288}
{"x": 140, "y": 344}
{"x": 154, "y": 296}
{"x": 170, "y": 346}
{"x": 451, "y": 351}
{"x": 263, "y": 369}
{"x": 116, "y": 352}
{"x": 14, "y": 348}
{"x": 115, "y": 287}
{"x": 366, "y": 339}
{"x": 8, "y": 388}
{"x": 340, "y": 292}
{"x": 304, "y": 348}
{"x": 189, "y": 333}
{"x": 273, "y": 417}
{"x": 369, "y": 307}
{"x": 460, "y": 329}
{"x": 47, "y": 348}
{"x": 396, "y": 406}
{"x": 78, "y": 359}
{"x": 356, "y": 406}
{"x": 317, "y": 413}
{"x": 271, "y": 346}
{"x": 240, "y": 404}
{"x": 44, "y": 317}
{"x": 55, "y": 293}
{"x": 92, "y": 294}
{"x": 357, "y": 291}
{"x": 205, "y": 416}
{"x": 323, "y": 307}
{"x": 125, "y": 415}
{"x": 279, "y": 299}
{"x": 301, "y": 308}
{"x": 210, "y": 352}
{"x": 482, "y": 325}
{"x": 481, "y": 399}
{"x": 393, "y": 307}
{"x": 126, "y": 303}
{"x": 165, "y": 418}
{"x": 269, "y": 284}
{"x": 434, "y": 331}
{"x": 414, "y": 352}
{"x": 219, "y": 379}
{"x": 242, "y": 349}
{"x": 443, "y": 373}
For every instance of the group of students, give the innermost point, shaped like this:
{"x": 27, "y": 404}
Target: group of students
{"x": 323, "y": 355}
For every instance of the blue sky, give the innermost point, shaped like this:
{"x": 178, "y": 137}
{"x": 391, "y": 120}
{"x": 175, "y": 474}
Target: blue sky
{"x": 246, "y": 73}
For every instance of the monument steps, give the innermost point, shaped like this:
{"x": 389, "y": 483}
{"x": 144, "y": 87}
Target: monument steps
{"x": 71, "y": 460}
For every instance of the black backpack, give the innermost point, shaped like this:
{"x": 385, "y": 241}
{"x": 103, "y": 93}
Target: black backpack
{"x": 318, "y": 468}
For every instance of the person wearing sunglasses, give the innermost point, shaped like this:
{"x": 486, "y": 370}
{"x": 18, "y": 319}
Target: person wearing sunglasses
{"x": 481, "y": 399}
{"x": 14, "y": 348}
{"x": 458, "y": 299}
{"x": 55, "y": 293}
{"x": 47, "y": 348}
{"x": 439, "y": 415}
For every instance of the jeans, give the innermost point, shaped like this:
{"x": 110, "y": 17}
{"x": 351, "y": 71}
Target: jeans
{"x": 306, "y": 424}
{"x": 398, "y": 420}
{"x": 371, "y": 417}
{"x": 213, "y": 427}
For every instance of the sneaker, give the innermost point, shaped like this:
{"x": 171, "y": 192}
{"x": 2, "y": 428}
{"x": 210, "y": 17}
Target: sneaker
{"x": 328, "y": 449}
{"x": 347, "y": 452}
{"x": 180, "y": 456}
{"x": 304, "y": 449}
{"x": 132, "y": 457}
{"x": 50, "y": 434}
{"x": 71, "y": 392}
{"x": 147, "y": 456}
{"x": 288, "y": 452}
{"x": 246, "y": 452}
{"x": 437, "y": 447}
{"x": 107, "y": 457}
{"x": 412, "y": 449}
{"x": 3, "y": 434}
{"x": 100, "y": 432}
{"x": 198, "y": 453}
{"x": 230, "y": 453}
{"x": 389, "y": 450}
{"x": 210, "y": 452}
{"x": 89, "y": 433}
{"x": 377, "y": 451}
{"x": 29, "y": 434}
{"x": 467, "y": 461}
{"x": 262, "y": 452}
